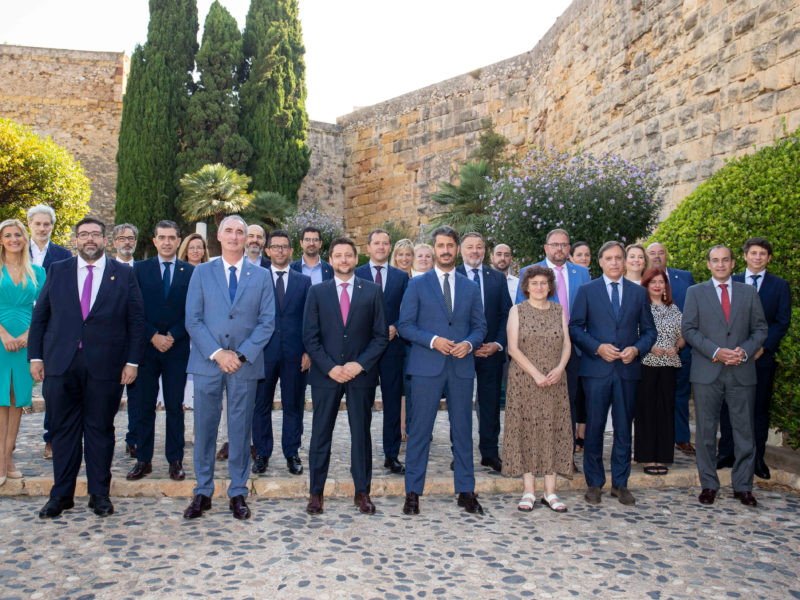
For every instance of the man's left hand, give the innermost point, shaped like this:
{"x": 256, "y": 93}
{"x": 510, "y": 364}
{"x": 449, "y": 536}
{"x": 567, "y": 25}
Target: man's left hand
{"x": 392, "y": 332}
{"x": 629, "y": 354}
{"x": 461, "y": 349}
{"x": 305, "y": 362}
{"x": 486, "y": 350}
{"x": 129, "y": 374}
{"x": 353, "y": 369}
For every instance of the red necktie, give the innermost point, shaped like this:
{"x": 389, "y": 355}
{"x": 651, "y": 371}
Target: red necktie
{"x": 726, "y": 302}
{"x": 344, "y": 302}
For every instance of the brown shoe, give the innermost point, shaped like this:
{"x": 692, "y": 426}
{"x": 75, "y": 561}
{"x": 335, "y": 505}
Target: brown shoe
{"x": 707, "y": 496}
{"x": 623, "y": 495}
{"x": 239, "y": 508}
{"x": 223, "y": 452}
{"x": 139, "y": 470}
{"x": 130, "y": 450}
{"x": 593, "y": 495}
{"x": 199, "y": 505}
{"x": 48, "y": 451}
{"x": 746, "y": 498}
{"x": 411, "y": 505}
{"x": 176, "y": 471}
{"x": 685, "y": 447}
{"x": 469, "y": 500}
{"x": 364, "y": 504}
{"x": 314, "y": 506}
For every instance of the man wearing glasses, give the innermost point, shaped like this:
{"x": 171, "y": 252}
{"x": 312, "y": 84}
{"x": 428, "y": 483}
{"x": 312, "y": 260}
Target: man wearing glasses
{"x": 311, "y": 264}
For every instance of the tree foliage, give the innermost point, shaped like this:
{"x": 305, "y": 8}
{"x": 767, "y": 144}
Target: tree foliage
{"x": 36, "y": 170}
{"x": 268, "y": 209}
{"x": 214, "y": 191}
{"x": 272, "y": 97}
{"x": 330, "y": 226}
{"x": 467, "y": 203}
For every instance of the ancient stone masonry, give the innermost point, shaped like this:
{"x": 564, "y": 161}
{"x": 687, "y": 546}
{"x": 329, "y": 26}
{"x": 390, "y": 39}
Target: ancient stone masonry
{"x": 686, "y": 84}
{"x": 75, "y": 97}
{"x": 324, "y": 184}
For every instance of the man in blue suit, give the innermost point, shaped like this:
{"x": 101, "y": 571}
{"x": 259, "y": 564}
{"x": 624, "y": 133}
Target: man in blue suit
{"x": 442, "y": 316}
{"x": 43, "y": 252}
{"x": 311, "y": 263}
{"x": 569, "y": 277}
{"x": 393, "y": 282}
{"x": 776, "y": 301}
{"x": 164, "y": 281}
{"x": 679, "y": 283}
{"x": 490, "y": 355}
{"x": 284, "y": 358}
{"x": 345, "y": 333}
{"x": 230, "y": 316}
{"x": 85, "y": 342}
{"x": 612, "y": 325}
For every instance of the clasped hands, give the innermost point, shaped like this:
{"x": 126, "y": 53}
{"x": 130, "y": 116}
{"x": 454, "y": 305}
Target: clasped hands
{"x": 450, "y": 348}
{"x": 552, "y": 378}
{"x": 610, "y": 353}
{"x": 730, "y": 358}
{"x": 659, "y": 351}
{"x": 162, "y": 343}
{"x": 346, "y": 372}
{"x": 14, "y": 344}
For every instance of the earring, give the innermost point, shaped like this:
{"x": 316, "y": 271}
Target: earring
{"x": 663, "y": 295}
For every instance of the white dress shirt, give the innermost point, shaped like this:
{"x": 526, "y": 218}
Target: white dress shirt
{"x": 350, "y": 287}
{"x": 37, "y": 256}
{"x": 274, "y": 270}
{"x": 513, "y": 285}
{"x": 384, "y": 272}
{"x": 718, "y": 289}
{"x": 748, "y": 274}
{"x": 564, "y": 272}
{"x": 97, "y": 277}
{"x": 610, "y": 289}
{"x": 130, "y": 262}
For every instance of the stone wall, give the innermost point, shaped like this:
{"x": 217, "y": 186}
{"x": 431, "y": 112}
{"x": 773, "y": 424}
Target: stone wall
{"x": 324, "y": 182}
{"x": 75, "y": 97}
{"x": 686, "y": 84}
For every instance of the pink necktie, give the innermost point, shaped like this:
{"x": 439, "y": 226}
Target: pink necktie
{"x": 561, "y": 290}
{"x": 86, "y": 294}
{"x": 344, "y": 303}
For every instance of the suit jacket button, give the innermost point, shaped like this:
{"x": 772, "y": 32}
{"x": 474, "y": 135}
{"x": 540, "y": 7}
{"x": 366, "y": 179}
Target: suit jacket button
{"x": 230, "y": 316}
{"x": 450, "y": 323}
{"x": 226, "y": 335}
{"x": 345, "y": 336}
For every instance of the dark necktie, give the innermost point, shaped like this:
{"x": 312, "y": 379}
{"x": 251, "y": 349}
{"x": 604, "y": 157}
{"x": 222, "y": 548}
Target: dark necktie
{"x": 232, "y": 283}
{"x": 166, "y": 278}
{"x": 378, "y": 276}
{"x": 755, "y": 279}
{"x": 280, "y": 288}
{"x": 726, "y": 301}
{"x": 615, "y": 298}
{"x": 448, "y": 297}
{"x": 477, "y": 279}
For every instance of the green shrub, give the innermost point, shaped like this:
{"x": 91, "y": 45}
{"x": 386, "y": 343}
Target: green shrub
{"x": 754, "y": 195}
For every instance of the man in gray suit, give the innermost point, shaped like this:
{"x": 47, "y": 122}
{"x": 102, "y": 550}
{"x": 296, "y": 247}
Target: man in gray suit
{"x": 724, "y": 324}
{"x": 230, "y": 316}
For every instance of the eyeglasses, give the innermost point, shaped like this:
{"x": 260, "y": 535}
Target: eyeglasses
{"x": 85, "y": 235}
{"x": 279, "y": 247}
{"x": 125, "y": 238}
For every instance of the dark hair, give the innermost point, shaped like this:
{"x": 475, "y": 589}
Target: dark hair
{"x": 89, "y": 220}
{"x": 757, "y": 241}
{"x": 279, "y": 233}
{"x": 717, "y": 247}
{"x": 577, "y": 245}
{"x": 532, "y": 272}
{"x": 608, "y": 246}
{"x": 378, "y": 230}
{"x": 343, "y": 241}
{"x": 167, "y": 224}
{"x": 447, "y": 231}
{"x": 311, "y": 229}
{"x": 654, "y": 272}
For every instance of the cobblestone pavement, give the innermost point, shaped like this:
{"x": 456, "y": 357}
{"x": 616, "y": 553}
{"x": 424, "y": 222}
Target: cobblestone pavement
{"x": 667, "y": 546}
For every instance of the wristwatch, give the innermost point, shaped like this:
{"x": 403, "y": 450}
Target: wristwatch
{"x": 242, "y": 358}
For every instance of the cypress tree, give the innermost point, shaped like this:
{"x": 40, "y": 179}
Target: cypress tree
{"x": 153, "y": 112}
{"x": 272, "y": 99}
{"x": 211, "y": 132}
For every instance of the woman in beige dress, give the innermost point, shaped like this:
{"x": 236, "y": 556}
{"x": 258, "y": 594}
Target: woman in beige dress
{"x": 537, "y": 436}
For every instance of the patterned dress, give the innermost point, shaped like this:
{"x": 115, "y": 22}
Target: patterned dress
{"x": 537, "y": 434}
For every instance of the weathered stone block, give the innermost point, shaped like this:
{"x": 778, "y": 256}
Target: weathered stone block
{"x": 724, "y": 142}
{"x": 789, "y": 43}
{"x": 788, "y": 100}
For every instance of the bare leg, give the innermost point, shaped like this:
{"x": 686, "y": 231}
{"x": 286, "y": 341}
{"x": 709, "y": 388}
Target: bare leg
{"x": 528, "y": 483}
{"x": 12, "y": 430}
{"x": 549, "y": 484}
{"x": 4, "y": 410}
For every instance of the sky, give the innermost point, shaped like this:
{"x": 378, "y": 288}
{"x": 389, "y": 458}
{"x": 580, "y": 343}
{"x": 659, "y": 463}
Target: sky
{"x": 358, "y": 52}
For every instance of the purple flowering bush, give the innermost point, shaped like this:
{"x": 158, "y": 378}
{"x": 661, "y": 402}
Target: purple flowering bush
{"x": 595, "y": 198}
{"x": 329, "y": 225}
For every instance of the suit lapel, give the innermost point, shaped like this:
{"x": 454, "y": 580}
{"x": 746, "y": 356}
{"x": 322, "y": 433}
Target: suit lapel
{"x": 290, "y": 290}
{"x": 245, "y": 276}
{"x": 333, "y": 300}
{"x": 736, "y": 302}
{"x": 572, "y": 277}
{"x": 179, "y": 274}
{"x": 604, "y": 299}
{"x": 222, "y": 280}
{"x": 626, "y": 297}
{"x": 436, "y": 290}
{"x": 109, "y": 277}
{"x": 711, "y": 294}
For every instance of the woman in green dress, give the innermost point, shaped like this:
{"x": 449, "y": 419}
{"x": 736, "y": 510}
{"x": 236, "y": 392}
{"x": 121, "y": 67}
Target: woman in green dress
{"x": 20, "y": 283}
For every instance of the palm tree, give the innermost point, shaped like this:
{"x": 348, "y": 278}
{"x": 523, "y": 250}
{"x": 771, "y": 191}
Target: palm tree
{"x": 267, "y": 209}
{"x": 214, "y": 191}
{"x": 467, "y": 202}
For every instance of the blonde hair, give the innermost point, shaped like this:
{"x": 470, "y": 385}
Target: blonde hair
{"x": 184, "y": 247}
{"x": 404, "y": 244}
{"x": 419, "y": 247}
{"x": 25, "y": 260}
{"x": 646, "y": 258}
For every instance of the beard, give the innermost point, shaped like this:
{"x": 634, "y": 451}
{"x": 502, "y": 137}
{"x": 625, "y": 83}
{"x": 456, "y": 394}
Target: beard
{"x": 89, "y": 253}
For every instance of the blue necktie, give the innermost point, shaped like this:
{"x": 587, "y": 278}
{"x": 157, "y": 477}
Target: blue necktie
{"x": 166, "y": 278}
{"x": 232, "y": 283}
{"x": 755, "y": 279}
{"x": 280, "y": 289}
{"x": 615, "y": 298}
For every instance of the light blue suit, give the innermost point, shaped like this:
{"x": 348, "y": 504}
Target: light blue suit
{"x": 576, "y": 277}
{"x": 244, "y": 326}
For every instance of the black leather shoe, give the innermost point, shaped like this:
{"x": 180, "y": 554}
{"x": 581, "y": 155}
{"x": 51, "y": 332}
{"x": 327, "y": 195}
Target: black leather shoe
{"x": 707, "y": 496}
{"x": 725, "y": 462}
{"x": 494, "y": 463}
{"x": 199, "y": 505}
{"x": 239, "y": 508}
{"x": 139, "y": 470}
{"x": 314, "y": 506}
{"x": 55, "y": 506}
{"x": 260, "y": 464}
{"x": 746, "y": 498}
{"x": 761, "y": 469}
{"x": 294, "y": 465}
{"x": 452, "y": 465}
{"x": 130, "y": 450}
{"x": 176, "y": 472}
{"x": 469, "y": 500}
{"x": 394, "y": 465}
{"x": 411, "y": 505}
{"x": 101, "y": 505}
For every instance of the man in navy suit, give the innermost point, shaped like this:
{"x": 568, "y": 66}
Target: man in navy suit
{"x": 43, "y": 252}
{"x": 393, "y": 282}
{"x": 254, "y": 247}
{"x": 569, "y": 277}
{"x": 85, "y": 342}
{"x": 311, "y": 264}
{"x": 284, "y": 358}
{"x": 679, "y": 283}
{"x": 230, "y": 316}
{"x": 490, "y": 355}
{"x": 345, "y": 333}
{"x": 164, "y": 281}
{"x": 776, "y": 301}
{"x": 612, "y": 325}
{"x": 442, "y": 316}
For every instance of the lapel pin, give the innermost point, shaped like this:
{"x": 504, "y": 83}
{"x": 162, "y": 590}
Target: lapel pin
{"x": 181, "y": 269}
{"x": 112, "y": 278}
{"x": 574, "y": 271}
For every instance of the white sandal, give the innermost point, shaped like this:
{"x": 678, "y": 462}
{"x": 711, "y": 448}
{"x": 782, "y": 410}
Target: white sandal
{"x": 554, "y": 504}
{"x": 526, "y": 504}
